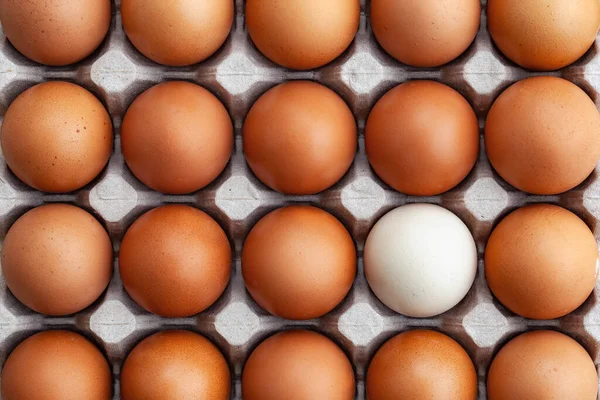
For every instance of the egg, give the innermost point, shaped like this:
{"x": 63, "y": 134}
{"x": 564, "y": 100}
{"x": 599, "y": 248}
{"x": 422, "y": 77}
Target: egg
{"x": 425, "y": 33}
{"x": 298, "y": 365}
{"x": 176, "y": 137}
{"x": 542, "y": 135}
{"x": 543, "y": 35}
{"x": 422, "y": 138}
{"x": 175, "y": 261}
{"x": 57, "y": 259}
{"x": 55, "y": 365}
{"x": 55, "y": 32}
{"x": 542, "y": 365}
{"x": 300, "y": 138}
{"x": 174, "y": 365}
{"x": 541, "y": 261}
{"x": 302, "y": 34}
{"x": 421, "y": 364}
{"x": 56, "y": 137}
{"x": 177, "y": 32}
{"x": 298, "y": 262}
{"x": 420, "y": 260}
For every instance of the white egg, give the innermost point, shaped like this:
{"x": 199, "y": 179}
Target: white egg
{"x": 420, "y": 260}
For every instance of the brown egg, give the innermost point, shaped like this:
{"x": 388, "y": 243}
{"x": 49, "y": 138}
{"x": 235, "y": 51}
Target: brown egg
{"x": 177, "y": 32}
{"x": 57, "y": 259}
{"x": 422, "y": 138}
{"x": 56, "y": 137}
{"x": 300, "y": 138}
{"x": 302, "y": 34}
{"x": 425, "y": 33}
{"x": 55, "y": 365}
{"x": 542, "y": 365}
{"x": 176, "y": 137}
{"x": 174, "y": 365}
{"x": 541, "y": 261}
{"x": 175, "y": 261}
{"x": 421, "y": 364}
{"x": 55, "y": 32}
{"x": 542, "y": 135}
{"x": 298, "y": 365}
{"x": 299, "y": 262}
{"x": 543, "y": 35}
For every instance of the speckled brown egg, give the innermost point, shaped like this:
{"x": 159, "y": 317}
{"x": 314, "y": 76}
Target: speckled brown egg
{"x": 299, "y": 262}
{"x": 302, "y": 34}
{"x": 421, "y": 364}
{"x": 176, "y": 137}
{"x": 542, "y": 135}
{"x": 541, "y": 261}
{"x": 298, "y": 365}
{"x": 425, "y": 33}
{"x": 422, "y": 138}
{"x": 55, "y": 32}
{"x": 299, "y": 138}
{"x": 175, "y": 261}
{"x": 56, "y": 365}
{"x": 57, "y": 259}
{"x": 177, "y": 32}
{"x": 56, "y": 137}
{"x": 543, "y": 35}
{"x": 174, "y": 365}
{"x": 542, "y": 365}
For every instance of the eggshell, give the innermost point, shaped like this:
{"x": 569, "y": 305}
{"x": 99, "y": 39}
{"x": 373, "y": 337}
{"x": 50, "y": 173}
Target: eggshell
{"x": 176, "y": 137}
{"x": 174, "y": 365}
{"x": 57, "y": 259}
{"x": 55, "y": 32}
{"x": 422, "y": 138}
{"x": 425, "y": 33}
{"x": 175, "y": 261}
{"x": 177, "y": 32}
{"x": 541, "y": 261}
{"x": 56, "y": 137}
{"x": 302, "y": 34}
{"x": 300, "y": 138}
{"x": 543, "y": 35}
{"x": 420, "y": 260}
{"x": 54, "y": 365}
{"x": 421, "y": 364}
{"x": 299, "y": 262}
{"x": 298, "y": 365}
{"x": 542, "y": 135}
{"x": 542, "y": 365}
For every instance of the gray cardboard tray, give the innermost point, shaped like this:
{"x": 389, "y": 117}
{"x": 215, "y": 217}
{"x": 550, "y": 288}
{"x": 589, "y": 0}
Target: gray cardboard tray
{"x": 238, "y": 74}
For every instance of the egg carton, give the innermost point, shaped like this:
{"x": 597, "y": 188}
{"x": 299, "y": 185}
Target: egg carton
{"x": 238, "y": 74}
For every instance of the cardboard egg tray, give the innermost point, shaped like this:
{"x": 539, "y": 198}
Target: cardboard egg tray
{"x": 238, "y": 74}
